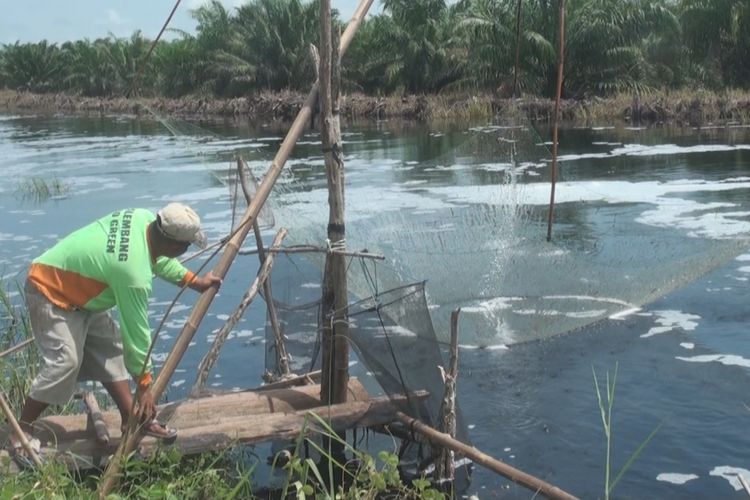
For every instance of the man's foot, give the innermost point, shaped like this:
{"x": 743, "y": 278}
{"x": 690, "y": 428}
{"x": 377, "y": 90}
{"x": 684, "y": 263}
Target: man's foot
{"x": 161, "y": 431}
{"x": 158, "y": 430}
{"x": 19, "y": 453}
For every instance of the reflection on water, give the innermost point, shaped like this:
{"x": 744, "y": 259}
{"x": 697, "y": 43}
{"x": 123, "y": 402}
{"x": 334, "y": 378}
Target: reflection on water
{"x": 642, "y": 214}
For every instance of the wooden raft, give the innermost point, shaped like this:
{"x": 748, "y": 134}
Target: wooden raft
{"x": 217, "y": 422}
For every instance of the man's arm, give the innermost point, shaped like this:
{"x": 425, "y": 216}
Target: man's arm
{"x": 174, "y": 272}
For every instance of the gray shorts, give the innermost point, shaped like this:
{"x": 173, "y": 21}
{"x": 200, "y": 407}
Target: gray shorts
{"x": 74, "y": 346}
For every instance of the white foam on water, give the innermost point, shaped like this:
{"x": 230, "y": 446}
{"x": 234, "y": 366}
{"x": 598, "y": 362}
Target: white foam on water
{"x": 624, "y": 313}
{"x": 14, "y": 237}
{"x": 178, "y": 383}
{"x": 687, "y": 345}
{"x": 724, "y": 359}
{"x": 671, "y": 320}
{"x": 491, "y": 305}
{"x": 675, "y": 477}
{"x": 730, "y": 474}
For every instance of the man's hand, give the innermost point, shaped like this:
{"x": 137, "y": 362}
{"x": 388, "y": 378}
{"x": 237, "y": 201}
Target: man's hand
{"x": 203, "y": 283}
{"x": 146, "y": 410}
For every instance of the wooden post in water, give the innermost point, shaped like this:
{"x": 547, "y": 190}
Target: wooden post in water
{"x": 334, "y": 314}
{"x": 110, "y": 477}
{"x": 555, "y": 126}
{"x": 444, "y": 465}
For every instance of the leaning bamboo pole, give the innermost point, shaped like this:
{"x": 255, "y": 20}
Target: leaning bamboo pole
{"x": 515, "y": 475}
{"x": 110, "y": 476}
{"x": 5, "y": 408}
{"x": 282, "y": 357}
{"x": 556, "y": 125}
{"x": 209, "y": 360}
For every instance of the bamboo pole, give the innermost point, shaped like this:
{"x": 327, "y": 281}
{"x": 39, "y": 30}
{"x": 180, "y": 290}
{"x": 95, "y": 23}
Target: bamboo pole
{"x": 445, "y": 465}
{"x": 110, "y": 476}
{"x": 557, "y": 120}
{"x": 18, "y": 431}
{"x": 9, "y": 413}
{"x": 505, "y": 470}
{"x": 282, "y": 357}
{"x": 209, "y": 360}
{"x": 335, "y": 363}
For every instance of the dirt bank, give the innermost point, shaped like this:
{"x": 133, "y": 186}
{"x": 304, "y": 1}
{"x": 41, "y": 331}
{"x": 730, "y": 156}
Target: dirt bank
{"x": 688, "y": 108}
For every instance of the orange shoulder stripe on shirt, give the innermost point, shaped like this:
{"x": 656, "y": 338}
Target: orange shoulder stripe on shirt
{"x": 65, "y": 289}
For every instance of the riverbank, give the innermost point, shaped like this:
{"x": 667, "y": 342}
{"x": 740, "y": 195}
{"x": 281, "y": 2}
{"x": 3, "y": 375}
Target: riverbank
{"x": 681, "y": 108}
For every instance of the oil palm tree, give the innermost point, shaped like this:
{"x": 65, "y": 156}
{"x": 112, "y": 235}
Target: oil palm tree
{"x": 717, "y": 34}
{"x": 36, "y": 67}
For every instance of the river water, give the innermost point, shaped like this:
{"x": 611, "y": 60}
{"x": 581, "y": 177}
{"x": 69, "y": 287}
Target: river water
{"x": 646, "y": 274}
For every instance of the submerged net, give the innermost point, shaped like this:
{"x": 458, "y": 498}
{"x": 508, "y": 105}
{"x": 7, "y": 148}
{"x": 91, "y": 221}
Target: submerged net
{"x": 471, "y": 221}
{"x": 397, "y": 351}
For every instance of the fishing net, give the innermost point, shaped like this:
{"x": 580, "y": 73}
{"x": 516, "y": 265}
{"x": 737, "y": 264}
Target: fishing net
{"x": 390, "y": 330}
{"x": 472, "y": 222}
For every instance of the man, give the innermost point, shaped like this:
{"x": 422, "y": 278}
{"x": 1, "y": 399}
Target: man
{"x": 69, "y": 290}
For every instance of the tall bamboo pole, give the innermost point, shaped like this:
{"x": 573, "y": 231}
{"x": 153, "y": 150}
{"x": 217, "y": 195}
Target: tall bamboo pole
{"x": 557, "y": 120}
{"x": 110, "y": 477}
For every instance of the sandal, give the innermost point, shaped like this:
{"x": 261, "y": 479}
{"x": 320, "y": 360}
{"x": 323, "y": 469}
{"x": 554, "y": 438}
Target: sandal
{"x": 19, "y": 453}
{"x": 166, "y": 433}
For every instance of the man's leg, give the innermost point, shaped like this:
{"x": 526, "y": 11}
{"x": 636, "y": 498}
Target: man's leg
{"x": 59, "y": 337}
{"x": 120, "y": 393}
{"x": 31, "y": 411}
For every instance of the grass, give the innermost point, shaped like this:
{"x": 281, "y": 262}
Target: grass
{"x": 605, "y": 409}
{"x": 39, "y": 189}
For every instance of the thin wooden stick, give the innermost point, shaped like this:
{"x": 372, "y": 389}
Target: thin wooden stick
{"x": 134, "y": 85}
{"x": 505, "y": 470}
{"x": 111, "y": 474}
{"x": 444, "y": 466}
{"x": 282, "y": 357}
{"x": 313, "y": 249}
{"x": 209, "y": 360}
{"x": 557, "y": 120}
{"x": 16, "y": 347}
{"x": 18, "y": 431}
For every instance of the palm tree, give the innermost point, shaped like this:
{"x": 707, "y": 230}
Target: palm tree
{"x": 36, "y": 67}
{"x": 419, "y": 45}
{"x": 717, "y": 34}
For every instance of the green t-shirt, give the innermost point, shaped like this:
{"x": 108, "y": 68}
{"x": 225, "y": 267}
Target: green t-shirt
{"x": 107, "y": 264}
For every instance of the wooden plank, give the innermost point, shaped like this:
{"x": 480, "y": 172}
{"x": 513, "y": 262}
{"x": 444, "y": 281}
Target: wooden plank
{"x": 198, "y": 412}
{"x": 83, "y": 451}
